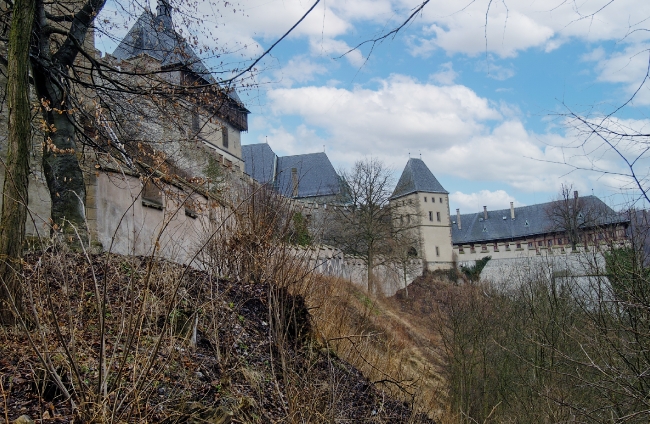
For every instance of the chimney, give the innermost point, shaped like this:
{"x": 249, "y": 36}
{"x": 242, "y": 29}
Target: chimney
{"x": 458, "y": 218}
{"x": 512, "y": 210}
{"x": 575, "y": 194}
{"x": 485, "y": 212}
{"x": 294, "y": 182}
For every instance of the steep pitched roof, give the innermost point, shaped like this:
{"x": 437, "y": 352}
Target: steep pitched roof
{"x": 259, "y": 162}
{"x": 316, "y": 175}
{"x": 529, "y": 221}
{"x": 417, "y": 177}
{"x": 154, "y": 35}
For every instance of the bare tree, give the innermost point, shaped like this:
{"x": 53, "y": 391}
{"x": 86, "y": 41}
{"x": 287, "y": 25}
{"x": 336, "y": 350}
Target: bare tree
{"x": 14, "y": 205}
{"x": 578, "y": 218}
{"x": 364, "y": 224}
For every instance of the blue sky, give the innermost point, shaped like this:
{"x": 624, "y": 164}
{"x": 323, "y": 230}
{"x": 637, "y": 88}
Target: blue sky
{"x": 485, "y": 106}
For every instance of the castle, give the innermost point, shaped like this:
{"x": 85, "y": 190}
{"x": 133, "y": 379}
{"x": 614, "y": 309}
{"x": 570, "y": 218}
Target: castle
{"x": 135, "y": 209}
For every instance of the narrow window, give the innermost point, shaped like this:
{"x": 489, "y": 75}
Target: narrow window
{"x": 430, "y": 216}
{"x": 438, "y": 216}
{"x": 196, "y": 125}
{"x": 437, "y": 251}
{"x": 152, "y": 196}
{"x": 425, "y": 199}
{"x": 433, "y": 200}
{"x": 519, "y": 245}
{"x": 441, "y": 200}
{"x": 224, "y": 136}
{"x": 530, "y": 244}
{"x": 550, "y": 243}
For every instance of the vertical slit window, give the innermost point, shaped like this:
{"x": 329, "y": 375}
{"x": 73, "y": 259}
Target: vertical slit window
{"x": 224, "y": 135}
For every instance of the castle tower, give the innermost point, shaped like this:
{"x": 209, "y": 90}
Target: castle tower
{"x": 422, "y": 204}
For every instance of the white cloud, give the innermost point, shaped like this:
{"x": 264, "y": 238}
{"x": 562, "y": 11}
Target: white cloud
{"x": 400, "y": 114}
{"x": 474, "y": 202}
{"x": 299, "y": 70}
{"x": 458, "y": 134}
{"x": 507, "y": 28}
{"x": 331, "y": 47}
{"x": 446, "y": 75}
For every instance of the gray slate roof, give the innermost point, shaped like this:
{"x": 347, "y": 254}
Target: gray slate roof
{"x": 529, "y": 221}
{"x": 155, "y": 36}
{"x": 316, "y": 175}
{"x": 259, "y": 162}
{"x": 417, "y": 177}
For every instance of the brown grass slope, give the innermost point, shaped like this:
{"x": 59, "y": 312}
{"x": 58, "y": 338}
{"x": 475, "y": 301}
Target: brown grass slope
{"x": 110, "y": 339}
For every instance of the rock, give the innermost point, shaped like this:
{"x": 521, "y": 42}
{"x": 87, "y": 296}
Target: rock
{"x": 23, "y": 419}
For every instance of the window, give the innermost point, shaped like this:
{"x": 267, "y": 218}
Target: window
{"x": 437, "y": 251}
{"x": 224, "y": 136}
{"x": 152, "y": 195}
{"x": 441, "y": 200}
{"x": 496, "y": 247}
{"x": 530, "y": 244}
{"x": 550, "y": 243}
{"x": 560, "y": 241}
{"x": 519, "y": 245}
{"x": 438, "y": 216}
{"x": 430, "y": 216}
{"x": 425, "y": 199}
{"x": 540, "y": 243}
{"x": 433, "y": 200}
{"x": 484, "y": 247}
{"x": 196, "y": 124}
{"x": 408, "y": 219}
{"x": 461, "y": 250}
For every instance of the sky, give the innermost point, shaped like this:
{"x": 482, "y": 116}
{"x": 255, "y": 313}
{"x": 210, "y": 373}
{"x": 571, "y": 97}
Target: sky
{"x": 487, "y": 93}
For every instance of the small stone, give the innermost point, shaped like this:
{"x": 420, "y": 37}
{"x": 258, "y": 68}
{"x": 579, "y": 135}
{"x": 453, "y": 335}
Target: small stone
{"x": 199, "y": 375}
{"x": 23, "y": 419}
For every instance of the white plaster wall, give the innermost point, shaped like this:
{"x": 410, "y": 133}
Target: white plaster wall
{"x": 127, "y": 227}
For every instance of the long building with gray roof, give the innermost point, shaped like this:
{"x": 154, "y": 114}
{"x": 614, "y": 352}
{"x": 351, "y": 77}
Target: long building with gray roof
{"x": 537, "y": 229}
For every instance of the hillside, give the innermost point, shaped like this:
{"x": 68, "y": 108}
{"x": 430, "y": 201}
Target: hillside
{"x": 180, "y": 346}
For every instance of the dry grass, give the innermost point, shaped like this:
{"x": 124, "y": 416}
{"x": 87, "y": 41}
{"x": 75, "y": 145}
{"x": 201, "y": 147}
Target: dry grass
{"x": 374, "y": 336}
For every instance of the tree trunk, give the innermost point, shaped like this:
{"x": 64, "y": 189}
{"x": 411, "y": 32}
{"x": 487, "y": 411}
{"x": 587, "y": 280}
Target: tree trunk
{"x": 63, "y": 174}
{"x": 14, "y": 205}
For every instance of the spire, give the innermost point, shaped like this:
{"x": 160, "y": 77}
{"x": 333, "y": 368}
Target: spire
{"x": 164, "y": 14}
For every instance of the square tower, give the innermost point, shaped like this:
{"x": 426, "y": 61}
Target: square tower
{"x": 422, "y": 204}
